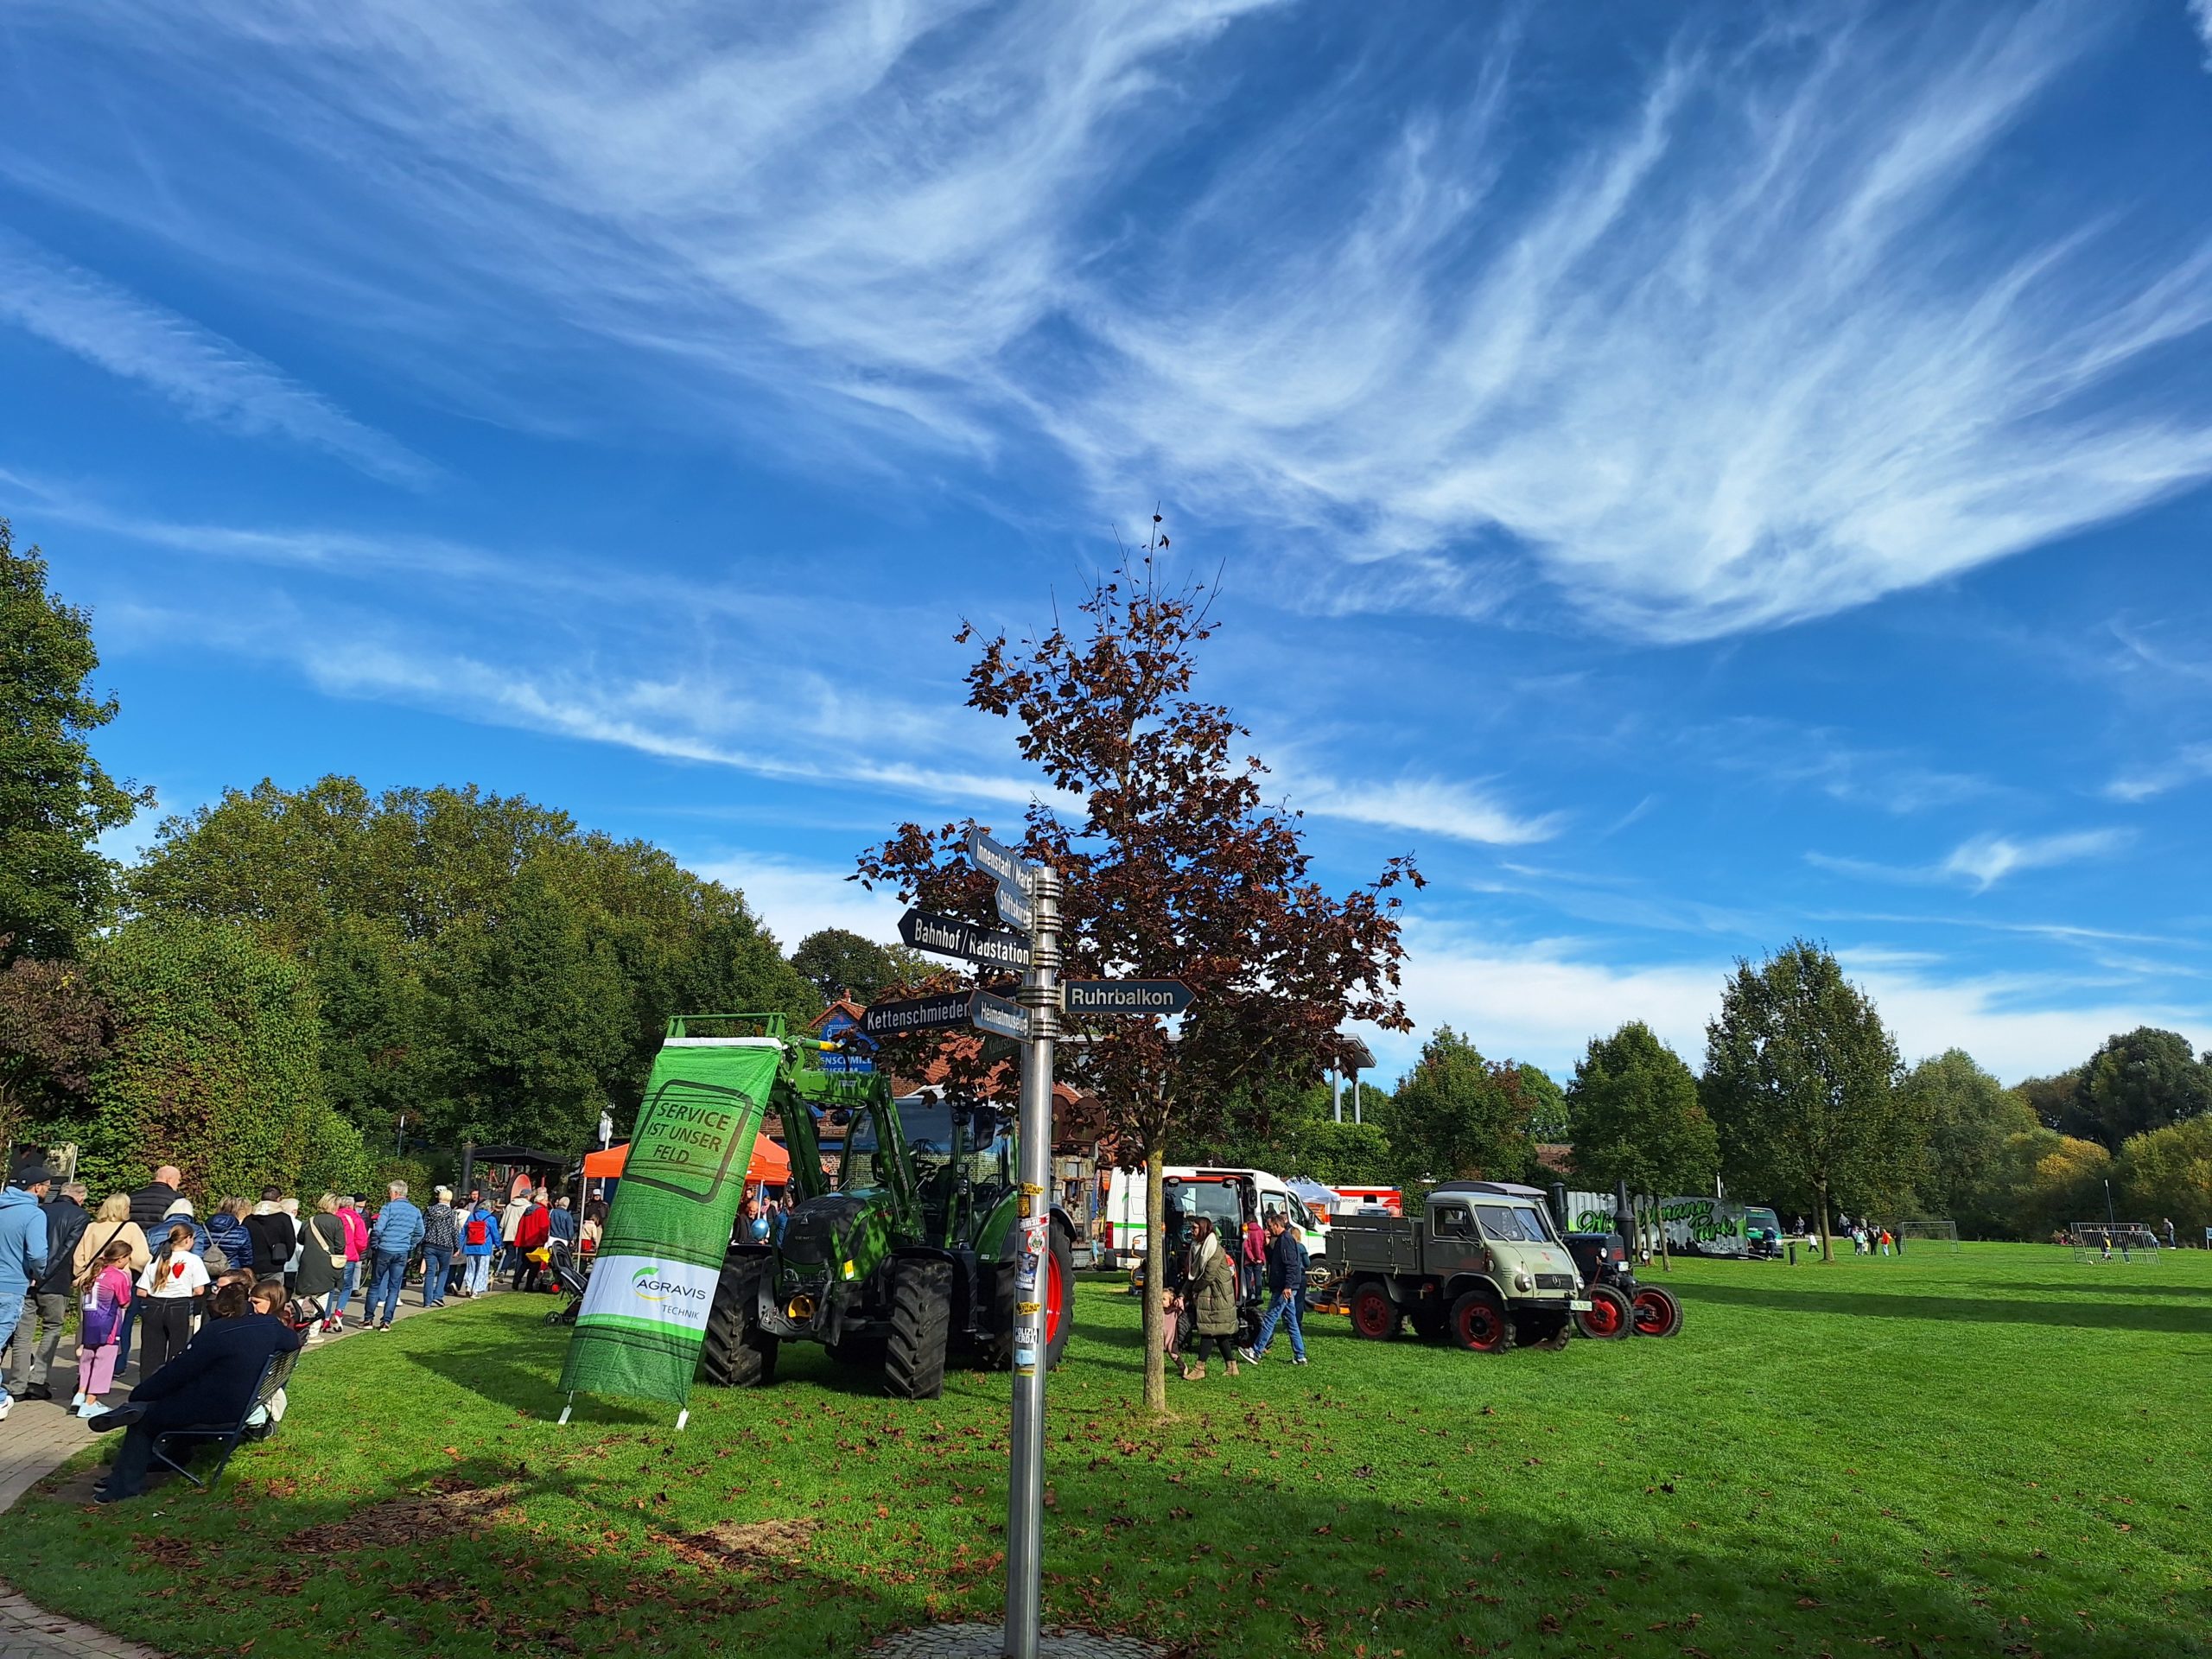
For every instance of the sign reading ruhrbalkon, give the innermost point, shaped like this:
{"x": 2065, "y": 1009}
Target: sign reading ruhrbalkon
{"x": 1127, "y": 996}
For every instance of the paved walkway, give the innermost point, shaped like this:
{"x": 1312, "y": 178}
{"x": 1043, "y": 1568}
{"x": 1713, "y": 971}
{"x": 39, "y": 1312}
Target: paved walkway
{"x": 38, "y": 1437}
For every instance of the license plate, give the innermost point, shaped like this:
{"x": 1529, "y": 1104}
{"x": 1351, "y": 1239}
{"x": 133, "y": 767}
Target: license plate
{"x": 1578, "y": 1307}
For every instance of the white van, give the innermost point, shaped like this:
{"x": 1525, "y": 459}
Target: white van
{"x": 1226, "y": 1195}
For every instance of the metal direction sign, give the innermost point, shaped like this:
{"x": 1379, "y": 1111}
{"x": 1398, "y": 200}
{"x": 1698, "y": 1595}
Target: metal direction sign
{"x": 1013, "y": 907}
{"x": 999, "y": 1017}
{"x": 1127, "y": 996}
{"x": 948, "y": 935}
{"x": 913, "y": 1013}
{"x": 1008, "y": 867}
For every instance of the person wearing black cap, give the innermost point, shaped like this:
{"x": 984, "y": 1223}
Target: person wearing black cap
{"x": 46, "y": 1310}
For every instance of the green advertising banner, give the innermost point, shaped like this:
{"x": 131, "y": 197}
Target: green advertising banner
{"x": 652, "y": 1281}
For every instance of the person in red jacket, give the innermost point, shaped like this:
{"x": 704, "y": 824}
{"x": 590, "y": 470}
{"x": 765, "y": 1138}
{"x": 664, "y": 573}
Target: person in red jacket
{"x": 536, "y": 1228}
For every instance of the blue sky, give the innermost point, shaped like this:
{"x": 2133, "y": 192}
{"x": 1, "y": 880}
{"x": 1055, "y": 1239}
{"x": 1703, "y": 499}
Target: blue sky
{"x": 1694, "y": 475}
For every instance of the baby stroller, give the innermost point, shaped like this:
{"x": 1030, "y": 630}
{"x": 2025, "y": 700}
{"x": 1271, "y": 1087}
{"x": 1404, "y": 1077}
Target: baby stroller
{"x": 571, "y": 1272}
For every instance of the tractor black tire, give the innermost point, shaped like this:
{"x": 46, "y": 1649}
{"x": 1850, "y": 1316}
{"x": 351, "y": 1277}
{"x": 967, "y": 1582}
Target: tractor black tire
{"x": 1375, "y": 1313}
{"x": 1610, "y": 1318}
{"x": 1658, "y": 1312}
{"x": 921, "y": 1326}
{"x": 1479, "y": 1324}
{"x": 737, "y": 1353}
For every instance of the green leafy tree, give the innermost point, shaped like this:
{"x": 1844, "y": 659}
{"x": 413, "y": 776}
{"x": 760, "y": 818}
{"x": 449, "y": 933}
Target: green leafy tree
{"x": 1455, "y": 1115}
{"x": 1293, "y": 1133}
{"x": 1800, "y": 1081}
{"x": 2051, "y": 1099}
{"x": 1347, "y": 1153}
{"x": 1968, "y": 1116}
{"x": 1637, "y": 1117}
{"x": 2167, "y": 1176}
{"x": 541, "y": 1029}
{"x": 835, "y": 960}
{"x": 2053, "y": 1180}
{"x": 214, "y": 1066}
{"x": 1550, "y": 1120}
{"x": 2143, "y": 1080}
{"x": 55, "y": 885}
{"x": 405, "y": 906}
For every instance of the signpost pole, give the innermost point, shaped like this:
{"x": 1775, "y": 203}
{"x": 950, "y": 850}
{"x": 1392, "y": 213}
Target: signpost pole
{"x": 1024, "y": 1529}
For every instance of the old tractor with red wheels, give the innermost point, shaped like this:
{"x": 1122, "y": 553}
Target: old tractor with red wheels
{"x": 1619, "y": 1306}
{"x": 902, "y": 1260}
{"x": 1482, "y": 1266}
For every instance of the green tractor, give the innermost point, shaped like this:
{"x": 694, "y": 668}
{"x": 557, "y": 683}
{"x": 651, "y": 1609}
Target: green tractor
{"x": 901, "y": 1261}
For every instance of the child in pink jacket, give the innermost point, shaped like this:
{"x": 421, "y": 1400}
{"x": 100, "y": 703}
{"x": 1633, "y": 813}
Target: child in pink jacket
{"x": 106, "y": 1287}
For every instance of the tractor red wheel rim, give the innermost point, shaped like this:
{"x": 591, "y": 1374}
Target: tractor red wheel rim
{"x": 1480, "y": 1325}
{"x": 1652, "y": 1314}
{"x": 1056, "y": 1298}
{"x": 1371, "y": 1310}
{"x": 1604, "y": 1317}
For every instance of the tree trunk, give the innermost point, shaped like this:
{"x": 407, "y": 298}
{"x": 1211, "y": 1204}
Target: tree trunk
{"x": 1827, "y": 1244}
{"x": 1155, "y": 1283}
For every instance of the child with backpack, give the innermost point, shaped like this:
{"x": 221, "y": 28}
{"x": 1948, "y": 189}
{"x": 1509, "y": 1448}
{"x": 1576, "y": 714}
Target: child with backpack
{"x": 480, "y": 1242}
{"x": 105, "y": 1288}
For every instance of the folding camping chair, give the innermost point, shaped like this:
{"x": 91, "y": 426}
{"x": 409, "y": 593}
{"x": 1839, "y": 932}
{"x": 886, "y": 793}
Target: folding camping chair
{"x": 226, "y": 1435}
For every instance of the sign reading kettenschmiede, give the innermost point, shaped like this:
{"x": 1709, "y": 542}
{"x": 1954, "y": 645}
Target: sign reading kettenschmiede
{"x": 643, "y": 1319}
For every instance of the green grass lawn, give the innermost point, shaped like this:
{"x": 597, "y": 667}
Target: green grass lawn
{"x": 1996, "y": 1452}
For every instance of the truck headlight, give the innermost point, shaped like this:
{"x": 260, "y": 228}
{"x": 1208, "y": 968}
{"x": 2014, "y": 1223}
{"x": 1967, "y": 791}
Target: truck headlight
{"x": 1522, "y": 1281}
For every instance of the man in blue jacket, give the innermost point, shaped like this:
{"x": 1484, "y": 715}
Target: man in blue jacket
{"x": 23, "y": 1251}
{"x": 1287, "y": 1264}
{"x": 392, "y": 1240}
{"x": 211, "y": 1382}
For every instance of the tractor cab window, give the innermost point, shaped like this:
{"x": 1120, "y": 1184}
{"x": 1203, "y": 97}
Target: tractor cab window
{"x": 858, "y": 1167}
{"x": 1511, "y": 1224}
{"x": 1451, "y": 1221}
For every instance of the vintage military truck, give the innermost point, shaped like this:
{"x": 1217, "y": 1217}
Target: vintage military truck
{"x": 1483, "y": 1265}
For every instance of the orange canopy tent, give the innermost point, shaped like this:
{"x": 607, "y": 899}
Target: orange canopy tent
{"x": 770, "y": 1163}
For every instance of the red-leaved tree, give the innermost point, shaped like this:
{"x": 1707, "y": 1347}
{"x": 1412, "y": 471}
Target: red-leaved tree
{"x": 1177, "y": 868}
{"x": 54, "y": 1031}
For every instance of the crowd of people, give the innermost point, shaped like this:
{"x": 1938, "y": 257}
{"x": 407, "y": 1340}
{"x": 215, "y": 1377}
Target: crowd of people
{"x": 144, "y": 1269}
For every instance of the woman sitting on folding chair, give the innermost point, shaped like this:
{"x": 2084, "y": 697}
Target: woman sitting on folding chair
{"x": 208, "y": 1388}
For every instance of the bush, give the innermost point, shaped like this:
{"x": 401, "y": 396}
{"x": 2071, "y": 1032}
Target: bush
{"x": 214, "y": 1067}
{"x": 337, "y": 1160}
{"x": 2167, "y": 1175}
{"x": 413, "y": 1170}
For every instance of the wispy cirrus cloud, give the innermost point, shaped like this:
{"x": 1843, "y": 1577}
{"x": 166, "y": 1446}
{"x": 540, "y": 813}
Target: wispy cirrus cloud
{"x": 1746, "y": 359}
{"x": 1739, "y": 351}
{"x": 207, "y": 376}
{"x": 2200, "y": 13}
{"x": 1788, "y": 753}
{"x": 1427, "y": 806}
{"x": 2191, "y": 764}
{"x": 1984, "y": 861}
